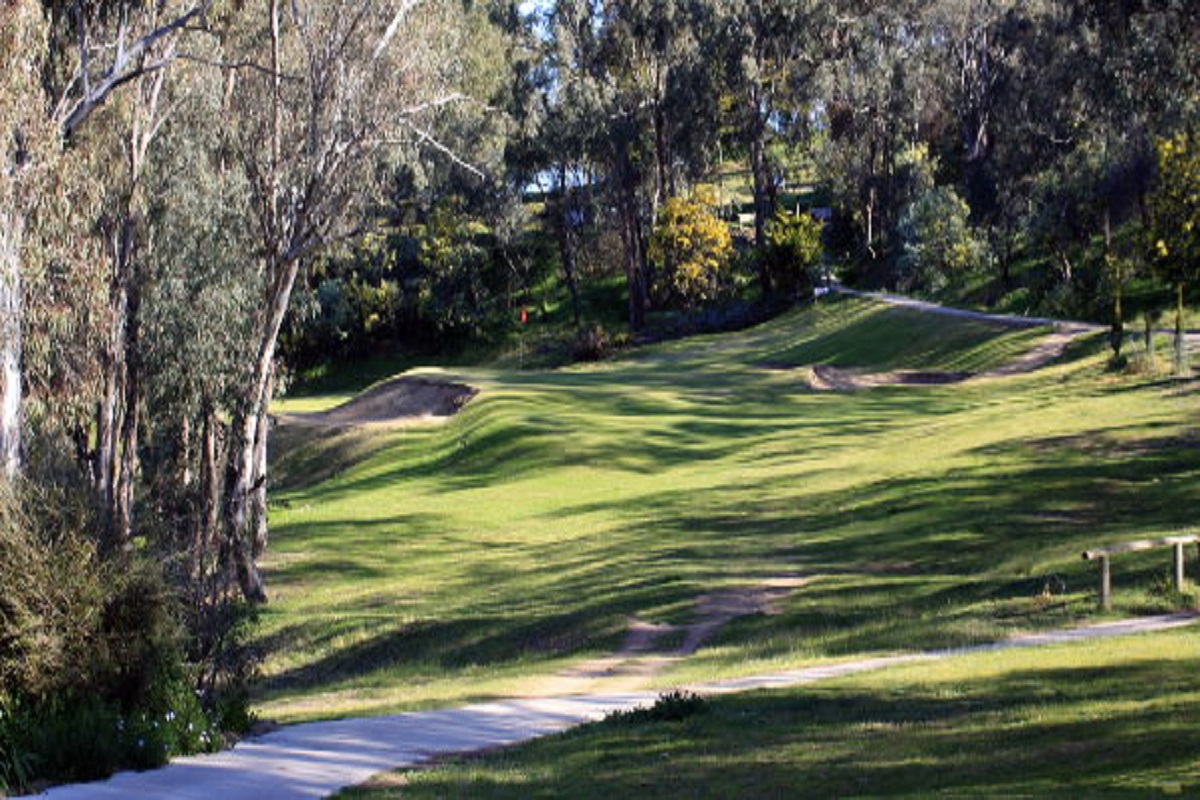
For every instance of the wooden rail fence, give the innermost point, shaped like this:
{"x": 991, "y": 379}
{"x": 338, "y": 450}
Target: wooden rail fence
{"x": 1104, "y": 555}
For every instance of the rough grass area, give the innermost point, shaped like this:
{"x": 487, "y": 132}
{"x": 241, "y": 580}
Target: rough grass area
{"x": 431, "y": 566}
{"x": 1108, "y": 719}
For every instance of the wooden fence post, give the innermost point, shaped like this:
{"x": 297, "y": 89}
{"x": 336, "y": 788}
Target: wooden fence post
{"x": 1105, "y": 584}
{"x": 1177, "y": 566}
{"x": 1178, "y": 545}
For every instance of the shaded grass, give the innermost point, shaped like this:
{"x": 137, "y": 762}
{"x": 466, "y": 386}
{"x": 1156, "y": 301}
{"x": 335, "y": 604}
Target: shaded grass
{"x": 1103, "y": 719}
{"x": 426, "y": 566}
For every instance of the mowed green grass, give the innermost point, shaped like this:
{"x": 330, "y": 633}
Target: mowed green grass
{"x": 1107, "y": 719}
{"x": 426, "y": 566}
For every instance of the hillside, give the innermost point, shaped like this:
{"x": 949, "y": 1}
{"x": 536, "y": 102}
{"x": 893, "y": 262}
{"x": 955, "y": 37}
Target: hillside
{"x": 529, "y": 535}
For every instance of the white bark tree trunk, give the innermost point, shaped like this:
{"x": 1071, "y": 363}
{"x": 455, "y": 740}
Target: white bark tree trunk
{"x": 247, "y": 473}
{"x": 12, "y": 230}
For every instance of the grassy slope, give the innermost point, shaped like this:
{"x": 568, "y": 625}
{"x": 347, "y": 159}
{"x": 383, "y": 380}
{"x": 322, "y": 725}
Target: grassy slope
{"x": 431, "y": 566}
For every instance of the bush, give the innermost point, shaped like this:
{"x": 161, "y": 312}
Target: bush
{"x": 940, "y": 248}
{"x": 690, "y": 249}
{"x": 793, "y": 253}
{"x": 596, "y": 344}
{"x": 16, "y": 762}
{"x": 92, "y": 675}
{"x": 674, "y": 706}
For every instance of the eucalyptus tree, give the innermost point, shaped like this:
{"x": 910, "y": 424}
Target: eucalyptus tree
{"x": 198, "y": 302}
{"x": 632, "y": 88}
{"x": 603, "y": 117}
{"x": 773, "y": 50}
{"x": 336, "y": 85}
{"x": 875, "y": 92}
{"x": 82, "y": 54}
{"x": 22, "y": 35}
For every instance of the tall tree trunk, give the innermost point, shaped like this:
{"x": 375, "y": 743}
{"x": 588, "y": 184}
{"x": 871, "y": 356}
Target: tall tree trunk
{"x": 635, "y": 261}
{"x": 756, "y": 133}
{"x": 631, "y": 234}
{"x": 760, "y": 176}
{"x": 127, "y": 476}
{"x": 1116, "y": 336}
{"x": 207, "y": 522}
{"x": 570, "y": 266}
{"x": 108, "y": 414}
{"x": 118, "y": 415}
{"x": 1181, "y": 359}
{"x": 258, "y": 497}
{"x": 12, "y": 230}
{"x": 567, "y": 220}
{"x": 245, "y": 477}
{"x": 663, "y": 188}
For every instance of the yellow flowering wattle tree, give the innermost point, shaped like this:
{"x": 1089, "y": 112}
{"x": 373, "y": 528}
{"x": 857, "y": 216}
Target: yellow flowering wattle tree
{"x": 1174, "y": 232}
{"x": 690, "y": 249}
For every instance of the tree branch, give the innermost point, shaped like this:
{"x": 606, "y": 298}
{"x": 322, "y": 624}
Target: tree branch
{"x": 455, "y": 97}
{"x": 425, "y": 136}
{"x": 397, "y": 21}
{"x": 237, "y": 65}
{"x": 126, "y": 66}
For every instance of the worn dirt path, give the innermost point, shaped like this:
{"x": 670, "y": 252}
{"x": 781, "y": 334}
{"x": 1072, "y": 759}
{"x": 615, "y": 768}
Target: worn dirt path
{"x": 316, "y": 759}
{"x": 642, "y": 654}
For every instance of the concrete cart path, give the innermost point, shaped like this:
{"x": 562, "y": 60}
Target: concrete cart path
{"x": 316, "y": 759}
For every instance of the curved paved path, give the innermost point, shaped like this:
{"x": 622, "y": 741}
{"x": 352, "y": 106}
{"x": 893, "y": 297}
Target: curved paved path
{"x": 318, "y": 758}
{"x": 1062, "y": 326}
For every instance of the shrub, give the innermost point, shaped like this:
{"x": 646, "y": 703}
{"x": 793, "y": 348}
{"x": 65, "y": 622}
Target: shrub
{"x": 940, "y": 248}
{"x": 591, "y": 344}
{"x": 674, "y": 706}
{"x": 16, "y": 761}
{"x": 92, "y": 674}
{"x": 596, "y": 344}
{"x": 690, "y": 249}
{"x": 793, "y": 253}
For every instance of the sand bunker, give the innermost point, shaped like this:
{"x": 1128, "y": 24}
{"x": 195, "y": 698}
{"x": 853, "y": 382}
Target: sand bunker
{"x": 826, "y": 378}
{"x": 405, "y": 400}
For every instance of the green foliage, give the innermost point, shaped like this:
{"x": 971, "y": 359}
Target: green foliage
{"x": 940, "y": 247}
{"x": 690, "y": 249}
{"x": 793, "y": 252}
{"x": 449, "y": 270}
{"x": 55, "y": 592}
{"x": 17, "y": 764}
{"x": 82, "y": 737}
